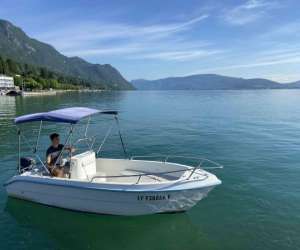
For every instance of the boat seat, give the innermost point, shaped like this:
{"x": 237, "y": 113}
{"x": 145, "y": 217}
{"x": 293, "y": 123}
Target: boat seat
{"x": 83, "y": 166}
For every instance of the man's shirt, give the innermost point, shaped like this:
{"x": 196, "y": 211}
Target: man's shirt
{"x": 54, "y": 153}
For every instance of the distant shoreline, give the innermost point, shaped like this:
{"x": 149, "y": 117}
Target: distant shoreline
{"x": 55, "y": 92}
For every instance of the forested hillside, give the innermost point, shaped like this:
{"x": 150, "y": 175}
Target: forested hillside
{"x": 39, "y": 77}
{"x": 16, "y": 45}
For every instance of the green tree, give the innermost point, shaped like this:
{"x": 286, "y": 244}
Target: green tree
{"x": 30, "y": 83}
{"x": 1, "y": 65}
{"x": 39, "y": 77}
{"x": 18, "y": 80}
{"x": 43, "y": 72}
{"x": 5, "y": 68}
{"x": 12, "y": 66}
{"x": 53, "y": 83}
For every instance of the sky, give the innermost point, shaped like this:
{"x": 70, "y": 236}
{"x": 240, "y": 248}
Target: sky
{"x": 156, "y": 39}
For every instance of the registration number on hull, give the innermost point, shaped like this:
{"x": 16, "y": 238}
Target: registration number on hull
{"x": 153, "y": 197}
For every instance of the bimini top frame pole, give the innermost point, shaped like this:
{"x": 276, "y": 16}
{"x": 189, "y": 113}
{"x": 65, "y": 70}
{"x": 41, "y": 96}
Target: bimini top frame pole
{"x": 19, "y": 150}
{"x": 67, "y": 141}
{"x": 120, "y": 136}
{"x": 33, "y": 150}
{"x": 38, "y": 138}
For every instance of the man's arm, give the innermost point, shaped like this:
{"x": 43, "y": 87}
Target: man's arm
{"x": 48, "y": 161}
{"x": 69, "y": 148}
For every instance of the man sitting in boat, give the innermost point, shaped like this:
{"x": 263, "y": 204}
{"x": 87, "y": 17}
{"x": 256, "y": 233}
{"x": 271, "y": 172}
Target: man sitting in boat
{"x": 52, "y": 155}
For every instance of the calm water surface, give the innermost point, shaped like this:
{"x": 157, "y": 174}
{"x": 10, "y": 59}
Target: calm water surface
{"x": 254, "y": 134}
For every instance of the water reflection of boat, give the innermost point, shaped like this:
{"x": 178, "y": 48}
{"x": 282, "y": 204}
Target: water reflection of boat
{"x": 71, "y": 230}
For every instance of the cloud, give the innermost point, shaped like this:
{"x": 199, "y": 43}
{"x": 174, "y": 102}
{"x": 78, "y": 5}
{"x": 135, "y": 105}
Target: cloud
{"x": 169, "y": 51}
{"x": 180, "y": 55}
{"x": 283, "y": 78}
{"x": 164, "y": 41}
{"x": 91, "y": 32}
{"x": 269, "y": 60}
{"x": 127, "y": 49}
{"x": 248, "y": 12}
{"x": 291, "y": 29}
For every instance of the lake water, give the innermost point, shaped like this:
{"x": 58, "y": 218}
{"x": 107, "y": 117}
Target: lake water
{"x": 254, "y": 134}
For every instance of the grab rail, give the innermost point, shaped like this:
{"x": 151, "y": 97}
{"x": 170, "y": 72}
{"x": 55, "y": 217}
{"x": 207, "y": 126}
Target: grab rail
{"x": 82, "y": 139}
{"x": 148, "y": 174}
{"x": 166, "y": 158}
{"x": 87, "y": 140}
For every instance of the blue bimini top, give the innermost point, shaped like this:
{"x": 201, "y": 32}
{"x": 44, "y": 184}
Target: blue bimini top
{"x": 65, "y": 115}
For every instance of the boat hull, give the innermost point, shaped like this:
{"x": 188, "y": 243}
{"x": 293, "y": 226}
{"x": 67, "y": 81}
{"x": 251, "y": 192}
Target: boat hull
{"x": 81, "y": 197}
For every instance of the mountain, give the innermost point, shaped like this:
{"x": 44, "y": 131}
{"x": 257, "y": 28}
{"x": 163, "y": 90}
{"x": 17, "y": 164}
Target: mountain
{"x": 16, "y": 45}
{"x": 209, "y": 82}
{"x": 294, "y": 85}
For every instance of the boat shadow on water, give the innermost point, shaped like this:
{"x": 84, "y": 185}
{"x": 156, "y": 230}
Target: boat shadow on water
{"x": 75, "y": 230}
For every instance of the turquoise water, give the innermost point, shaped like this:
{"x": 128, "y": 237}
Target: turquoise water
{"x": 254, "y": 134}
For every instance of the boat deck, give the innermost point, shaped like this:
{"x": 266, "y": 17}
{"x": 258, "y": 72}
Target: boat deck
{"x": 131, "y": 177}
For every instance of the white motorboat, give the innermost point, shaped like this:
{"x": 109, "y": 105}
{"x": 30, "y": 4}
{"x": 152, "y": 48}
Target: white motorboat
{"x": 129, "y": 186}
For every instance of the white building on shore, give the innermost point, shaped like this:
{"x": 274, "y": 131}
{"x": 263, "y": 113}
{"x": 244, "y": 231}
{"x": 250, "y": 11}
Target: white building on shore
{"x": 6, "y": 82}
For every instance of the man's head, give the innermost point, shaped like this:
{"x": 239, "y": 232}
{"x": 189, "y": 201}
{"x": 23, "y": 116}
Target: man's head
{"x": 54, "y": 139}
